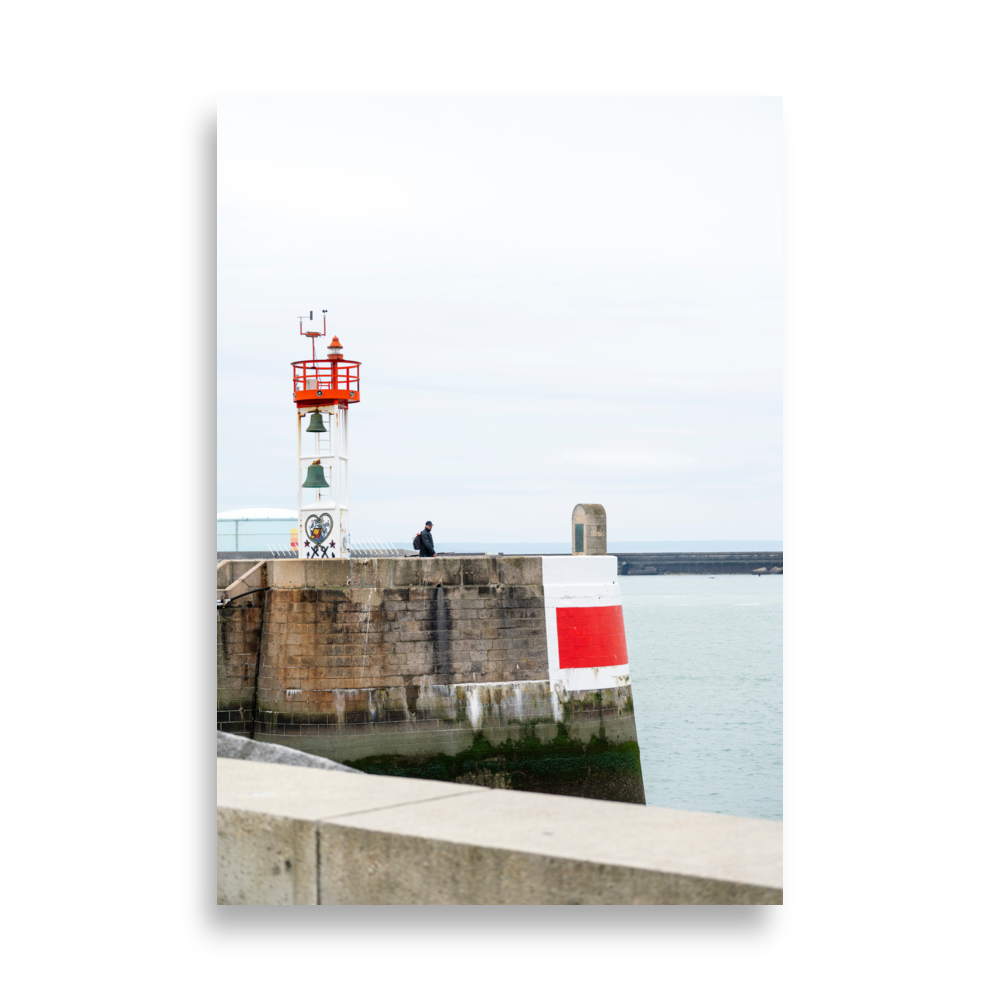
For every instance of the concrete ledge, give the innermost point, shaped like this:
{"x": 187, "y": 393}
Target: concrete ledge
{"x": 387, "y": 572}
{"x": 230, "y": 569}
{"x": 301, "y": 836}
{"x": 251, "y": 579}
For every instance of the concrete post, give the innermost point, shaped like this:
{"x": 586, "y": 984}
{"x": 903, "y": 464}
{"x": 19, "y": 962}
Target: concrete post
{"x": 589, "y": 530}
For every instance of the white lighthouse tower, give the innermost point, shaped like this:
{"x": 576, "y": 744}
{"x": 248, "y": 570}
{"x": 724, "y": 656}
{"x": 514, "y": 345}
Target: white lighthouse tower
{"x": 323, "y": 390}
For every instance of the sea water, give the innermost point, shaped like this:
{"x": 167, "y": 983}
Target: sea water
{"x": 705, "y": 662}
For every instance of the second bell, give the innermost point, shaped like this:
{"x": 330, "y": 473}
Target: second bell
{"x": 314, "y": 477}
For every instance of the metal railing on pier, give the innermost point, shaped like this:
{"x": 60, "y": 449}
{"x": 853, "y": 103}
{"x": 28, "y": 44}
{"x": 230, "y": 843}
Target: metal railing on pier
{"x": 366, "y": 548}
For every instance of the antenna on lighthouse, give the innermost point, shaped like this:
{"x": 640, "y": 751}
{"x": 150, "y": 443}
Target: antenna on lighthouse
{"x": 312, "y": 334}
{"x": 301, "y": 318}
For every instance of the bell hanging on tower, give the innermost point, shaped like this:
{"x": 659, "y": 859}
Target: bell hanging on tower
{"x": 316, "y": 423}
{"x": 315, "y": 479}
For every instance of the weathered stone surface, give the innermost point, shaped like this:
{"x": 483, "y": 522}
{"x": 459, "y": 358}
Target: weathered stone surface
{"x": 475, "y": 572}
{"x": 241, "y": 748}
{"x": 251, "y": 579}
{"x": 289, "y": 572}
{"x": 521, "y": 735}
{"x": 264, "y": 859}
{"x": 327, "y": 572}
{"x": 589, "y": 530}
{"x": 238, "y": 630}
{"x": 490, "y": 851}
{"x": 361, "y": 633}
{"x": 407, "y": 572}
{"x": 229, "y": 570}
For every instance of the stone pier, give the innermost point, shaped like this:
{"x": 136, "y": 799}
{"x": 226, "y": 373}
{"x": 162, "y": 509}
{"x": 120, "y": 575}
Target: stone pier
{"x": 506, "y": 672}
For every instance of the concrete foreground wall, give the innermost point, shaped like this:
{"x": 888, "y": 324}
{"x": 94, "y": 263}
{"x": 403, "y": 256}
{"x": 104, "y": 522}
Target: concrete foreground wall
{"x": 291, "y": 835}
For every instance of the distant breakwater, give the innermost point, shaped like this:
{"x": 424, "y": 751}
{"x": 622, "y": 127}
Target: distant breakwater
{"x": 662, "y": 563}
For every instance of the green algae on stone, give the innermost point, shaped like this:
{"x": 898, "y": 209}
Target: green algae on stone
{"x": 562, "y": 766}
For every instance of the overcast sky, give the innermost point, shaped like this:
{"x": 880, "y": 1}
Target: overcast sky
{"x": 554, "y": 301}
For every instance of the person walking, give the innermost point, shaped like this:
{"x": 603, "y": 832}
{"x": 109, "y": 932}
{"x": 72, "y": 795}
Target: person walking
{"x": 427, "y": 540}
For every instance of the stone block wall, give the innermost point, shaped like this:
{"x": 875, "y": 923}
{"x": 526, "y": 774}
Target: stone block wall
{"x": 238, "y": 630}
{"x": 320, "y": 643}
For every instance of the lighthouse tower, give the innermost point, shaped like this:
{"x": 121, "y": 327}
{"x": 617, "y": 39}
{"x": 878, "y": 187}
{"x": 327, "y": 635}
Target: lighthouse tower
{"x": 323, "y": 389}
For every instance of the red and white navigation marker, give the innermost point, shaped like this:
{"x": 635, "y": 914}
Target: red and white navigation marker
{"x": 584, "y": 624}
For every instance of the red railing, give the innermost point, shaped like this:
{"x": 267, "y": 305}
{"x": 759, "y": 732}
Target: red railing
{"x": 340, "y": 378}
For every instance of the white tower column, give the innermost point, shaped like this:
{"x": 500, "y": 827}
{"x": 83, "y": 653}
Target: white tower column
{"x": 319, "y": 510}
{"x": 335, "y": 482}
{"x": 298, "y": 481}
{"x": 345, "y": 528}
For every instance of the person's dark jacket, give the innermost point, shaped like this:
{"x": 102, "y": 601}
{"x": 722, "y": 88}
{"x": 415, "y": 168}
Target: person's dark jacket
{"x": 426, "y": 543}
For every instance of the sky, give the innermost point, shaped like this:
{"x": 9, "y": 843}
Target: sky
{"x": 554, "y": 300}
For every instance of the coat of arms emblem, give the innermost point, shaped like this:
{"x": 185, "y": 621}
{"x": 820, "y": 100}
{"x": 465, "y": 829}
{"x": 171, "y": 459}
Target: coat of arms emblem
{"x": 318, "y": 528}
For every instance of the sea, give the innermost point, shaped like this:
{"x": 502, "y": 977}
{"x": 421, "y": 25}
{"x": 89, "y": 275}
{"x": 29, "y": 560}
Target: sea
{"x": 705, "y": 658}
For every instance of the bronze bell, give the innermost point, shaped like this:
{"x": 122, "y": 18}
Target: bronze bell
{"x": 316, "y": 423}
{"x": 315, "y": 479}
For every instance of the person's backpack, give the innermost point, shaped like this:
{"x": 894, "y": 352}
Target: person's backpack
{"x": 416, "y": 541}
